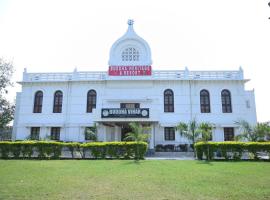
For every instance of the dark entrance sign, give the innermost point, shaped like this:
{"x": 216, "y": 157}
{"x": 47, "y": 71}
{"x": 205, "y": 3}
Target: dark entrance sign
{"x": 125, "y": 113}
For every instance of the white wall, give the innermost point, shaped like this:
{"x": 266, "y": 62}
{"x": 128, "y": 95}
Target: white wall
{"x": 149, "y": 93}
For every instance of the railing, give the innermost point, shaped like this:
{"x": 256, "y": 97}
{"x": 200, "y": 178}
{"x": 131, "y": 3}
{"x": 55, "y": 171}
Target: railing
{"x": 156, "y": 75}
{"x": 181, "y": 147}
{"x": 5, "y": 134}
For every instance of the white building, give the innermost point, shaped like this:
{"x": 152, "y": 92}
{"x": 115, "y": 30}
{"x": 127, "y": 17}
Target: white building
{"x": 63, "y": 105}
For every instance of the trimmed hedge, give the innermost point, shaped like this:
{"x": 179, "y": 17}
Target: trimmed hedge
{"x": 230, "y": 150}
{"x": 53, "y": 150}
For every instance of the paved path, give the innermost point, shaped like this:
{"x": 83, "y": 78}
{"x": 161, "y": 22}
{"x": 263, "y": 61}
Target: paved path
{"x": 169, "y": 158}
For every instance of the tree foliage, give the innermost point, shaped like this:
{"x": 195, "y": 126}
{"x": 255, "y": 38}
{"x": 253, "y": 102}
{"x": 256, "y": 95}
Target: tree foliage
{"x": 7, "y": 113}
{"x": 6, "y": 71}
{"x": 91, "y": 133}
{"x": 189, "y": 130}
{"x": 205, "y": 129}
{"x": 6, "y": 108}
{"x": 138, "y": 133}
{"x": 259, "y": 132}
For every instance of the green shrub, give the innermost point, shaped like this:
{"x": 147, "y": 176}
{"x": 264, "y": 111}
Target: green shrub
{"x": 72, "y": 147}
{"x": 27, "y": 149}
{"x": 57, "y": 149}
{"x": 231, "y": 150}
{"x": 44, "y": 149}
{"x": 15, "y": 149}
{"x": 5, "y": 148}
{"x": 127, "y": 150}
{"x": 53, "y": 150}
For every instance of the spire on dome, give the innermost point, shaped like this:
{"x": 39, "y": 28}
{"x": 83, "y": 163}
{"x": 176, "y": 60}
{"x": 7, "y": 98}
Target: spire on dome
{"x": 130, "y": 49}
{"x": 130, "y": 22}
{"x": 130, "y": 26}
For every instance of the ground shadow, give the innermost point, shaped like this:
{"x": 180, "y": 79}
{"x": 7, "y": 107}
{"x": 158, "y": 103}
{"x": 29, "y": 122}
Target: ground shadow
{"x": 133, "y": 162}
{"x": 204, "y": 162}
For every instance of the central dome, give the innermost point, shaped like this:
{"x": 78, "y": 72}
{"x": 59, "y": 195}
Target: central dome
{"x": 130, "y": 50}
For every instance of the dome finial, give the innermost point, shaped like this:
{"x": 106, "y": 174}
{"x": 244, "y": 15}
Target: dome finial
{"x": 130, "y": 22}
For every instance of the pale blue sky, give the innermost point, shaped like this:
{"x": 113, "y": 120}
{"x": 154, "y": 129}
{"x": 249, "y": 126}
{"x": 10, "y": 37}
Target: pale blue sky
{"x": 59, "y": 35}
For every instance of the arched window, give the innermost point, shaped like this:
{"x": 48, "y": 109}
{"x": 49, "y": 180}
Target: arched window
{"x": 168, "y": 101}
{"x": 38, "y": 102}
{"x": 205, "y": 101}
{"x": 57, "y": 102}
{"x": 226, "y": 101}
{"x": 130, "y": 54}
{"x": 91, "y": 100}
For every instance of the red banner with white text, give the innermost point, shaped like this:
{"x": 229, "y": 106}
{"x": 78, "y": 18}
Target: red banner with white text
{"x": 130, "y": 71}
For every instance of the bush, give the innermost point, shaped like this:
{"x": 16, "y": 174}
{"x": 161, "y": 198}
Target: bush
{"x": 72, "y": 147}
{"x": 127, "y": 150}
{"x": 27, "y": 149}
{"x": 53, "y": 150}
{"x": 5, "y": 148}
{"x": 230, "y": 150}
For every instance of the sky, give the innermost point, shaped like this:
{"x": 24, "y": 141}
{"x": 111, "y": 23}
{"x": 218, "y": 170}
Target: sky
{"x": 59, "y": 35}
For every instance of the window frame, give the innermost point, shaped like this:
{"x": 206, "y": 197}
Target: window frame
{"x": 91, "y": 101}
{"x": 169, "y": 133}
{"x": 58, "y": 101}
{"x": 226, "y": 101}
{"x": 38, "y": 102}
{"x": 205, "y": 103}
{"x": 35, "y": 133}
{"x": 230, "y": 131}
{"x": 130, "y": 54}
{"x": 168, "y": 100}
{"x": 55, "y": 133}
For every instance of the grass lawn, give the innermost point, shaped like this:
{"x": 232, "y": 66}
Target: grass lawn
{"x": 118, "y": 179}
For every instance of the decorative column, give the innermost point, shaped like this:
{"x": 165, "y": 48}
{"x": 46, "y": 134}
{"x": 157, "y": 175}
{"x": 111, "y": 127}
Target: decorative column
{"x": 152, "y": 137}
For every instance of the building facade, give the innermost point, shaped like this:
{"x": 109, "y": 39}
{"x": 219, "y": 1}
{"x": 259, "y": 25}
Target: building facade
{"x": 62, "y": 106}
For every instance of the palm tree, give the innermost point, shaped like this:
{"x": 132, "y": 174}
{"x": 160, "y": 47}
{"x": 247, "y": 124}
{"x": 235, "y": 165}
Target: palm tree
{"x": 190, "y": 131}
{"x": 205, "y": 129}
{"x": 252, "y": 133}
{"x": 138, "y": 134}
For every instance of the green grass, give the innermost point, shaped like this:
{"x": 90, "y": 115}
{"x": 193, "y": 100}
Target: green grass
{"x": 90, "y": 179}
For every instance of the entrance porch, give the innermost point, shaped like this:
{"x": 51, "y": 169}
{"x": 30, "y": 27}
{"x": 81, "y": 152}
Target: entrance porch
{"x": 117, "y": 131}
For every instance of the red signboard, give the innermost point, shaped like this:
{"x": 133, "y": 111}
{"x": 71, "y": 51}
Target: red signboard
{"x": 130, "y": 71}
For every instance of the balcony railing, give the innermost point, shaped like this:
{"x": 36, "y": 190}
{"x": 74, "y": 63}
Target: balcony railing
{"x": 156, "y": 75}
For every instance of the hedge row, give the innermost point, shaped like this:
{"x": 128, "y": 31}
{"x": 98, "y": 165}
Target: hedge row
{"x": 53, "y": 150}
{"x": 230, "y": 150}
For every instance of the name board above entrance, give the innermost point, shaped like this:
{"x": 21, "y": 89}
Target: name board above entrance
{"x": 125, "y": 113}
{"x": 130, "y": 71}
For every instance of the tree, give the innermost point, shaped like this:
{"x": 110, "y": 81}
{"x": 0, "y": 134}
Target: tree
{"x": 206, "y": 134}
{"x": 138, "y": 134}
{"x": 190, "y": 131}
{"x": 259, "y": 132}
{"x": 91, "y": 133}
{"x": 6, "y": 108}
{"x": 205, "y": 129}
